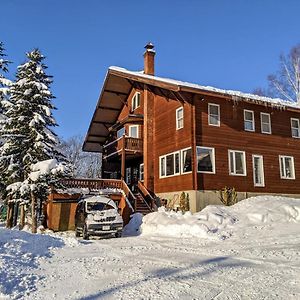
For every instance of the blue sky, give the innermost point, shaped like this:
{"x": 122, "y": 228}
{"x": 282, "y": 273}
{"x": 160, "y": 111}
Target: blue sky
{"x": 231, "y": 44}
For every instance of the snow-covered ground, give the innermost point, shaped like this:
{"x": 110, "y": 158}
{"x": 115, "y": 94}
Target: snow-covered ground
{"x": 248, "y": 251}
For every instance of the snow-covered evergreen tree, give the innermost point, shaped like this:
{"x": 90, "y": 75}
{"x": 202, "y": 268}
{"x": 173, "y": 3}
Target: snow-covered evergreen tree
{"x": 28, "y": 128}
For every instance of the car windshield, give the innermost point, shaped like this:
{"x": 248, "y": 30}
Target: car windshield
{"x": 98, "y": 206}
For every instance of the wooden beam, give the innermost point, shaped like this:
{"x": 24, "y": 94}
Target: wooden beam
{"x": 109, "y": 108}
{"x": 104, "y": 123}
{"x": 115, "y": 92}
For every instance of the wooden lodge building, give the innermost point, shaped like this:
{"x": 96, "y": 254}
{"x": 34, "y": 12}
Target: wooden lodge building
{"x": 170, "y": 136}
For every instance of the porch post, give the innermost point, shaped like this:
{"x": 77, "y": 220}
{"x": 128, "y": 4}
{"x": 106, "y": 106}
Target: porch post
{"x": 123, "y": 159}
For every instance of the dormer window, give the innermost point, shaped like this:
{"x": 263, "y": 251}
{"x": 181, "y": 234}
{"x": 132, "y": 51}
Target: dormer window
{"x": 249, "y": 120}
{"x": 136, "y": 101}
{"x": 295, "y": 126}
{"x": 179, "y": 118}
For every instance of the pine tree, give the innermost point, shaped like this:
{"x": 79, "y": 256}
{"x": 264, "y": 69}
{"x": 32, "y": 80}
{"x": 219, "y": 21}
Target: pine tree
{"x": 27, "y": 131}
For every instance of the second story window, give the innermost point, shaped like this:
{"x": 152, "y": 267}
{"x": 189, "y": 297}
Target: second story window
{"x": 120, "y": 132}
{"x": 179, "y": 118}
{"x": 265, "y": 121}
{"x": 213, "y": 114}
{"x": 136, "y": 101}
{"x": 295, "y": 128}
{"x": 134, "y": 131}
{"x": 249, "y": 120}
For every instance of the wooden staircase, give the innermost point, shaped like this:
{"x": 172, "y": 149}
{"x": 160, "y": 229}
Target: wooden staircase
{"x": 141, "y": 205}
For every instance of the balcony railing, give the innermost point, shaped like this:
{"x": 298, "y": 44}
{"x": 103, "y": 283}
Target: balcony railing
{"x": 129, "y": 144}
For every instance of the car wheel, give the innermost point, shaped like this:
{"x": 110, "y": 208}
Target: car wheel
{"x": 85, "y": 235}
{"x": 77, "y": 233}
{"x": 119, "y": 234}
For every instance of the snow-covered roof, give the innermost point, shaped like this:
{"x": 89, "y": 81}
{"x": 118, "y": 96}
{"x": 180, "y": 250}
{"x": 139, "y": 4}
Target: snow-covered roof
{"x": 235, "y": 95}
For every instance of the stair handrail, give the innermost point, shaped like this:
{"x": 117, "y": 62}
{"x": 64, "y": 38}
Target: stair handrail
{"x": 145, "y": 193}
{"x": 129, "y": 194}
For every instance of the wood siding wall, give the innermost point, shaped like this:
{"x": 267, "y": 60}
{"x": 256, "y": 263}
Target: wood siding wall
{"x": 231, "y": 135}
{"x": 167, "y": 139}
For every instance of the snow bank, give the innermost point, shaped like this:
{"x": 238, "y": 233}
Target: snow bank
{"x": 133, "y": 227}
{"x": 220, "y": 221}
{"x": 20, "y": 253}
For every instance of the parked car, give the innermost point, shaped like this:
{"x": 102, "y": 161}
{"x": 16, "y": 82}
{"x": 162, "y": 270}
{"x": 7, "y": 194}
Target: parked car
{"x": 98, "y": 216}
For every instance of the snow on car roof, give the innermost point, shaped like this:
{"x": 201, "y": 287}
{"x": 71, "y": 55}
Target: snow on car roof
{"x": 102, "y": 199}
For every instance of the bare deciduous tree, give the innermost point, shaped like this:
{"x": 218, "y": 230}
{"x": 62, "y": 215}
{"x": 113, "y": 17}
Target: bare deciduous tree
{"x": 85, "y": 164}
{"x": 286, "y": 82}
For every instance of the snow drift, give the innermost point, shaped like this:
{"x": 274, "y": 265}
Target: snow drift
{"x": 219, "y": 222}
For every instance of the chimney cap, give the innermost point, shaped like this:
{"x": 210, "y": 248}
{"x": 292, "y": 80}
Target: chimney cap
{"x": 149, "y": 46}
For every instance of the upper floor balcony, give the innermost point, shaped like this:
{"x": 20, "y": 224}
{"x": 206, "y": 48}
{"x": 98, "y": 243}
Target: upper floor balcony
{"x": 131, "y": 146}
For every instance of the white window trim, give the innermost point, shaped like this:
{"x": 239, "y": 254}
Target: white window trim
{"x": 261, "y": 123}
{"x": 140, "y": 177}
{"x": 175, "y": 174}
{"x": 181, "y": 161}
{"x": 244, "y": 163}
{"x": 177, "y": 119}
{"x": 252, "y": 112}
{"x": 293, "y": 165}
{"x": 133, "y": 100}
{"x": 262, "y": 170}
{"x": 295, "y": 119}
{"x": 137, "y": 129}
{"x": 213, "y": 161}
{"x": 213, "y": 104}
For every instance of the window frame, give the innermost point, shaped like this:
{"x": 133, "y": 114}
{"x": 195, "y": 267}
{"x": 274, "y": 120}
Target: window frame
{"x": 135, "y": 105}
{"x": 253, "y": 120}
{"x": 262, "y": 170}
{"x": 298, "y": 121}
{"x": 213, "y": 160}
{"x": 181, "y": 160}
{"x": 283, "y": 176}
{"x": 234, "y": 164}
{"x": 137, "y": 130}
{"x": 128, "y": 174}
{"x": 165, "y": 164}
{"x": 219, "y": 114}
{"x": 141, "y": 178}
{"x": 124, "y": 133}
{"x": 261, "y": 123}
{"x": 179, "y": 119}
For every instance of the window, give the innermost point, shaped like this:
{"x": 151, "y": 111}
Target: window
{"x": 136, "y": 101}
{"x": 134, "y": 131}
{"x": 237, "y": 163}
{"x": 295, "y": 128}
{"x": 287, "y": 170}
{"x": 186, "y": 160}
{"x": 120, "y": 132}
{"x": 141, "y": 172}
{"x": 265, "y": 121}
{"x": 179, "y": 118}
{"x": 128, "y": 175}
{"x": 213, "y": 114}
{"x": 249, "y": 120}
{"x": 169, "y": 164}
{"x": 205, "y": 160}
{"x": 258, "y": 170}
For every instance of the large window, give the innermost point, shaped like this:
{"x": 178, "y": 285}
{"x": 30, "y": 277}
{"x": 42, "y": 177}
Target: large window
{"x": 265, "y": 121}
{"x": 213, "y": 114}
{"x": 186, "y": 160}
{"x": 205, "y": 160}
{"x": 287, "y": 169}
{"x": 237, "y": 163}
{"x": 170, "y": 164}
{"x": 120, "y": 132}
{"x": 176, "y": 163}
{"x": 295, "y": 128}
{"x": 136, "y": 101}
{"x": 134, "y": 131}
{"x": 258, "y": 170}
{"x": 249, "y": 120}
{"x": 179, "y": 118}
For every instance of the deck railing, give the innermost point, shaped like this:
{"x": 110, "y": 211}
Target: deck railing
{"x": 125, "y": 142}
{"x": 98, "y": 184}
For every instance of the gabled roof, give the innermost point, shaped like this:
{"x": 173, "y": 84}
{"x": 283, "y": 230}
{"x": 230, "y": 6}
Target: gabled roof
{"x": 117, "y": 87}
